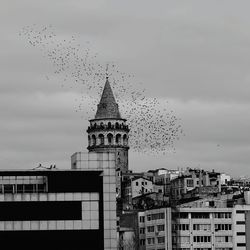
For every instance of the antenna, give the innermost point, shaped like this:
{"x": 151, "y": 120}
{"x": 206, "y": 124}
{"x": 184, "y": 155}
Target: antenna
{"x": 107, "y": 68}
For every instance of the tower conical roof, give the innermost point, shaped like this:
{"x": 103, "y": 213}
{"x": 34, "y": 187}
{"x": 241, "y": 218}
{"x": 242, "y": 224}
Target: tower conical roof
{"x": 107, "y": 107}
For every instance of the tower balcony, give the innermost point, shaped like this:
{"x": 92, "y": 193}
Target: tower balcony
{"x": 102, "y": 146}
{"x": 107, "y": 128}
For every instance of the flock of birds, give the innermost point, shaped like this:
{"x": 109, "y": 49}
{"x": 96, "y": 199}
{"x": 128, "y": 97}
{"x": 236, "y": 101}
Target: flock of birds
{"x": 153, "y": 128}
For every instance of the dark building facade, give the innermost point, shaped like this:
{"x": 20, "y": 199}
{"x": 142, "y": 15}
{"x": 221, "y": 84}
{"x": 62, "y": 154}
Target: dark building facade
{"x": 63, "y": 208}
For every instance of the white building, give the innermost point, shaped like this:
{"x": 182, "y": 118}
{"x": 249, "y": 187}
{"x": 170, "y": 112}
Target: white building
{"x": 207, "y": 224}
{"x": 155, "y": 229}
{"x": 224, "y": 178}
{"x": 141, "y": 186}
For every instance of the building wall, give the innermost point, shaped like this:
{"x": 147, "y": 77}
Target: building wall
{"x": 141, "y": 186}
{"x": 158, "y": 229}
{"x": 241, "y": 226}
{"x": 142, "y": 235}
{"x": 106, "y": 163}
{"x": 247, "y": 229}
{"x": 224, "y": 178}
{"x": 67, "y": 212}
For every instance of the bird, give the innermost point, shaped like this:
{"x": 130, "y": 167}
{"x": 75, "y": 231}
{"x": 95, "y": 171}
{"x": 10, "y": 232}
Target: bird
{"x": 154, "y": 127}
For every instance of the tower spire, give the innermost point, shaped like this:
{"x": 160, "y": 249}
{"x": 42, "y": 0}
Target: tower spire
{"x": 107, "y": 107}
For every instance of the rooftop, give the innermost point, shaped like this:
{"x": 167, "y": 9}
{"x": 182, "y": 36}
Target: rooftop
{"x": 107, "y": 107}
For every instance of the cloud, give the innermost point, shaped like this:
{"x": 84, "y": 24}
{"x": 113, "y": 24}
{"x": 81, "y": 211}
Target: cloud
{"x": 194, "y": 54}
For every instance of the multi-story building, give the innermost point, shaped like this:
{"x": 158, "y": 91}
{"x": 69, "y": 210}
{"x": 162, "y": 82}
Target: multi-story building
{"x": 195, "y": 179}
{"x": 157, "y": 229}
{"x": 206, "y": 224}
{"x": 203, "y": 225}
{"x": 66, "y": 208}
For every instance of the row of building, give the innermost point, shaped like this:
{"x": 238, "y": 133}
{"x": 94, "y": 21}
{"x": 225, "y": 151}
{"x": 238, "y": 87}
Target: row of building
{"x": 98, "y": 203}
{"x": 193, "y": 209}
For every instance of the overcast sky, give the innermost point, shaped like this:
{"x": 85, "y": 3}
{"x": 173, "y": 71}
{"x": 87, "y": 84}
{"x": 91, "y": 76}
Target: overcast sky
{"x": 195, "y": 54}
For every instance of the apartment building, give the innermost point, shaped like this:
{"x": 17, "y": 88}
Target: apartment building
{"x": 205, "y": 224}
{"x": 155, "y": 229}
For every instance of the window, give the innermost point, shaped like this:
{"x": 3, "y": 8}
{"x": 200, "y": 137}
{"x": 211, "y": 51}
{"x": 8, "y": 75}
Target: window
{"x": 142, "y": 242}
{"x": 202, "y": 248}
{"x": 240, "y": 211}
{"x": 118, "y": 139}
{"x": 101, "y": 139}
{"x": 200, "y": 215}
{"x": 180, "y": 227}
{"x": 19, "y": 188}
{"x": 110, "y": 139}
{"x": 8, "y": 189}
{"x": 223, "y": 239}
{"x": 125, "y": 140}
{"x": 149, "y": 217}
{"x": 241, "y": 233}
{"x": 151, "y": 229}
{"x": 136, "y": 183}
{"x": 223, "y": 248}
{"x": 240, "y": 222}
{"x": 241, "y": 244}
{"x": 161, "y": 240}
{"x": 223, "y": 215}
{"x": 202, "y": 238}
{"x": 142, "y": 230}
{"x": 160, "y": 228}
{"x": 29, "y": 188}
{"x": 142, "y": 219}
{"x": 190, "y": 183}
{"x": 41, "y": 188}
{"x": 151, "y": 241}
{"x": 181, "y": 239}
{"x": 157, "y": 216}
{"x": 183, "y": 215}
{"x": 202, "y": 227}
{"x": 222, "y": 227}
{"x": 93, "y": 140}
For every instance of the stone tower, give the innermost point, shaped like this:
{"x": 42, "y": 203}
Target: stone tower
{"x": 108, "y": 132}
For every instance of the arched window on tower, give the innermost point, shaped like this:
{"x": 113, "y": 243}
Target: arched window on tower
{"x": 101, "y": 139}
{"x": 93, "y": 140}
{"x": 89, "y": 140}
{"x": 110, "y": 139}
{"x": 101, "y": 125}
{"x": 125, "y": 140}
{"x": 117, "y": 125}
{"x": 109, "y": 125}
{"x": 118, "y": 139}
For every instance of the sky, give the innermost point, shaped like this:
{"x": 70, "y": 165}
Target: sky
{"x": 194, "y": 54}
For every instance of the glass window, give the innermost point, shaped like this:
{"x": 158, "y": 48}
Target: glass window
{"x": 161, "y": 239}
{"x": 161, "y": 227}
{"x": 8, "y": 189}
{"x": 150, "y": 229}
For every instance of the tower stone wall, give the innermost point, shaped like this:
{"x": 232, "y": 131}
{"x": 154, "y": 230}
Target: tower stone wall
{"x": 108, "y": 132}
